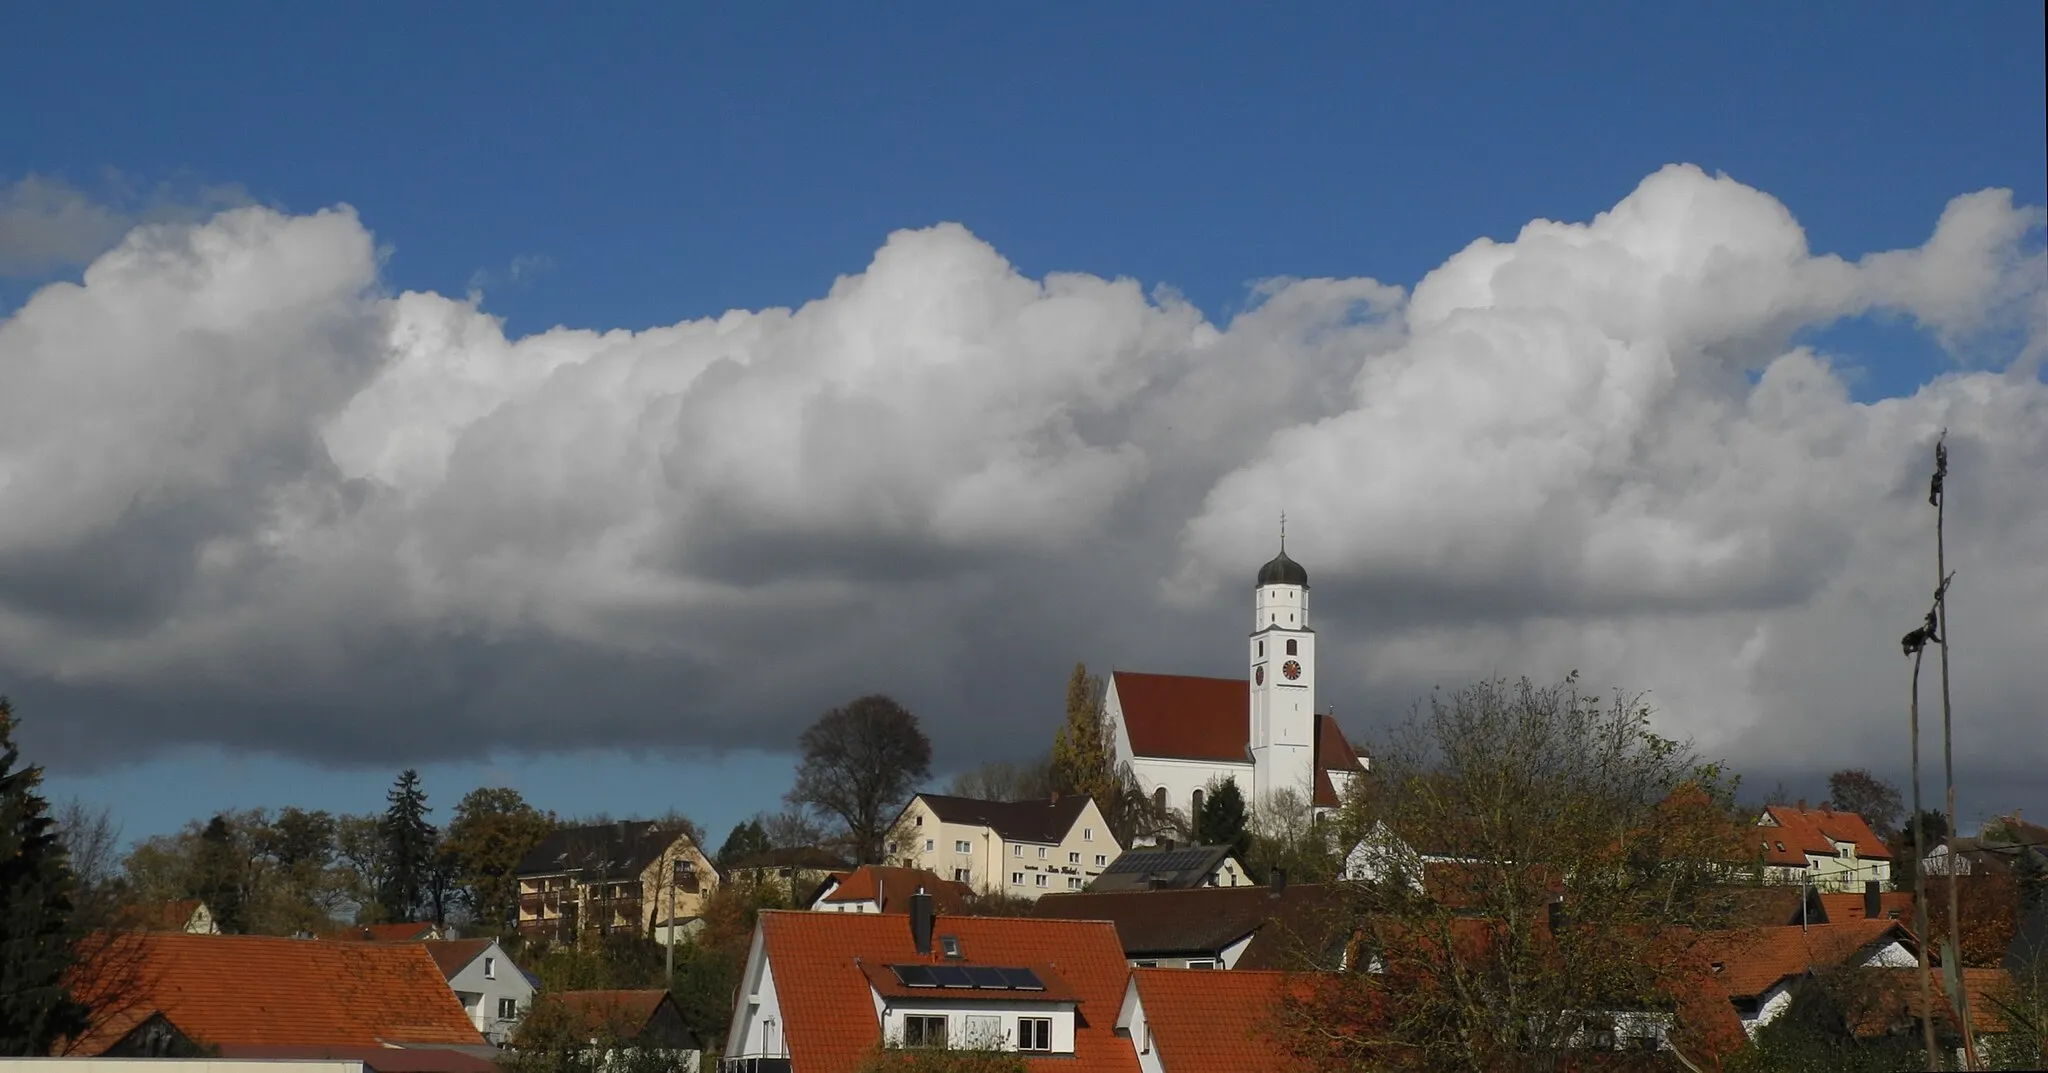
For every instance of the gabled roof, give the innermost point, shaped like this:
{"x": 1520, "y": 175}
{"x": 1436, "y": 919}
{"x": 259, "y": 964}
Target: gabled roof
{"x": 1183, "y": 717}
{"x": 1751, "y": 961}
{"x": 1891, "y": 1000}
{"x": 1204, "y": 921}
{"x": 1211, "y": 1022}
{"x": 891, "y": 887}
{"x": 828, "y": 1006}
{"x": 1891, "y": 905}
{"x": 608, "y": 851}
{"x": 258, "y": 990}
{"x": 407, "y": 931}
{"x": 1013, "y": 821}
{"x": 173, "y": 916}
{"x": 451, "y": 956}
{"x": 622, "y": 1014}
{"x": 1161, "y": 867}
{"x": 1802, "y": 831}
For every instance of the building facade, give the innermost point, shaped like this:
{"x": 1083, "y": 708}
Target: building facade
{"x": 1018, "y": 849}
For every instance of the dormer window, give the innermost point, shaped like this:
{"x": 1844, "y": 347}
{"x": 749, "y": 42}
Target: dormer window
{"x": 1034, "y": 1033}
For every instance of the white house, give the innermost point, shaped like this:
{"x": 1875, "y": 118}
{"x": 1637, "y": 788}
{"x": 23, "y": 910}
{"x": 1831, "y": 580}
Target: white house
{"x": 1832, "y": 851}
{"x": 494, "y": 992}
{"x": 1021, "y": 849}
{"x": 1183, "y": 734}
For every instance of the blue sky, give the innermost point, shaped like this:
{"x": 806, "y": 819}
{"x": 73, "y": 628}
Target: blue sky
{"x": 643, "y": 166}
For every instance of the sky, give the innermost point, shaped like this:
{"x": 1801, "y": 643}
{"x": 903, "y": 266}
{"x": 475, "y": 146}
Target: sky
{"x": 585, "y": 405}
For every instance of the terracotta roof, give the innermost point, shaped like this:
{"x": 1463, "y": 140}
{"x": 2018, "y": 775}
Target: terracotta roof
{"x": 1211, "y": 1022}
{"x": 174, "y": 916}
{"x": 1753, "y": 960}
{"x": 258, "y": 990}
{"x": 1894, "y": 1001}
{"x": 828, "y": 1007}
{"x": 409, "y": 931}
{"x": 453, "y": 955}
{"x": 1891, "y": 905}
{"x": 1013, "y": 821}
{"x": 623, "y": 1013}
{"x": 1203, "y": 921}
{"x": 886, "y": 984}
{"x": 1804, "y": 831}
{"x": 892, "y": 887}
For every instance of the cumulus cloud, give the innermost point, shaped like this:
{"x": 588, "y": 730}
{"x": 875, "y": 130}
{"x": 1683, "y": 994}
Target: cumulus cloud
{"x": 47, "y": 224}
{"x": 247, "y": 495}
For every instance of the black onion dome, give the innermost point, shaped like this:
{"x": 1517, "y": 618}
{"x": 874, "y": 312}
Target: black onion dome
{"x": 1283, "y": 571}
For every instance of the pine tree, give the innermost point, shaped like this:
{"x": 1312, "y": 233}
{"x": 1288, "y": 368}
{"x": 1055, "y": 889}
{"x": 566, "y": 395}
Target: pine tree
{"x": 1083, "y": 761}
{"x": 1223, "y": 820}
{"x": 412, "y": 879}
{"x": 38, "y": 935}
{"x": 219, "y": 871}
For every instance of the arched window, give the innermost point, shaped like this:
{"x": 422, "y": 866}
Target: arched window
{"x": 1262, "y": 649}
{"x": 1290, "y": 648}
{"x": 1197, "y": 806}
{"x": 1159, "y": 799}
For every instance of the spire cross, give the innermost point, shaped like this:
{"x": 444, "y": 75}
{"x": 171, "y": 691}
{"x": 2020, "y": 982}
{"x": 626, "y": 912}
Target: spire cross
{"x": 1283, "y": 530}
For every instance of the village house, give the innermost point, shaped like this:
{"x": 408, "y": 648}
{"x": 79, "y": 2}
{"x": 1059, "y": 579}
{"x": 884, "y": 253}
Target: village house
{"x": 1171, "y": 867}
{"x": 249, "y": 995}
{"x": 1182, "y": 734}
{"x": 822, "y": 990}
{"x": 799, "y": 868}
{"x": 875, "y": 888}
{"x": 1019, "y": 849}
{"x": 1828, "y": 850}
{"x": 1271, "y": 926}
{"x": 189, "y": 915}
{"x": 621, "y": 878}
{"x": 1757, "y": 968}
{"x": 1186, "y": 1022}
{"x": 611, "y": 1029}
{"x": 493, "y": 991}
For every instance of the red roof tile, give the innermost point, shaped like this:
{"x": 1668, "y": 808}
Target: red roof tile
{"x": 1891, "y": 905}
{"x": 891, "y": 888}
{"x": 828, "y": 1008}
{"x": 1803, "y": 831}
{"x": 1751, "y": 961}
{"x": 1190, "y": 718}
{"x": 1894, "y": 1001}
{"x": 453, "y": 955}
{"x": 1211, "y": 1022}
{"x": 258, "y": 990}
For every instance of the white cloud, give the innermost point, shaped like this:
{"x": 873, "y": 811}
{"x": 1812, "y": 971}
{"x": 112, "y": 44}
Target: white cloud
{"x": 233, "y": 468}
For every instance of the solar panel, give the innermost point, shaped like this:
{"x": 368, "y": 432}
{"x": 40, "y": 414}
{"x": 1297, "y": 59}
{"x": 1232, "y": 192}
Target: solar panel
{"x": 987, "y": 977}
{"x": 1177, "y": 860}
{"x": 951, "y": 976}
{"x": 1023, "y": 980}
{"x": 914, "y": 975}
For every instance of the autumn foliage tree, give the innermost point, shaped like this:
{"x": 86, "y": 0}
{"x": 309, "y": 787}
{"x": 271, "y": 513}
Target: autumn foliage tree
{"x": 492, "y": 828}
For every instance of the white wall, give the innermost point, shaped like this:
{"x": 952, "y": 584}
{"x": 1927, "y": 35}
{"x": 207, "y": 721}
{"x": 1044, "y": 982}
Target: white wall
{"x": 757, "y": 1028}
{"x": 1182, "y": 778}
{"x": 1011, "y": 868}
{"x": 1003, "y": 1019}
{"x": 506, "y": 982}
{"x": 1132, "y": 1023}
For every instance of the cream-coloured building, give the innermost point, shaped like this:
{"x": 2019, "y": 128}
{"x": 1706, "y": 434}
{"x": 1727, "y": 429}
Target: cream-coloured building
{"x": 630, "y": 877}
{"x": 1020, "y": 849}
{"x": 1822, "y": 848}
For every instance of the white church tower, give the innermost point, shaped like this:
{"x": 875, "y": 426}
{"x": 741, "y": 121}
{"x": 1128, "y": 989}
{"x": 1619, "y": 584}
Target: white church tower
{"x": 1283, "y": 681}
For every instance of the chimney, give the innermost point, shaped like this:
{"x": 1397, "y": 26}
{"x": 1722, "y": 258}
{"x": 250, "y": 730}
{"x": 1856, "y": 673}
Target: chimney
{"x": 1802, "y": 804}
{"x": 622, "y": 830}
{"x": 1279, "y": 882}
{"x": 921, "y": 922}
{"x": 1873, "y": 903}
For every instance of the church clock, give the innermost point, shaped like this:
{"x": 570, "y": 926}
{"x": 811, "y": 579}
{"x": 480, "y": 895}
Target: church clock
{"x": 1259, "y": 675}
{"x": 1291, "y": 669}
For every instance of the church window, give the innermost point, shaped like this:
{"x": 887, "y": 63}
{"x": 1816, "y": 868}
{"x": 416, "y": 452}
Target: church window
{"x": 1197, "y": 806}
{"x": 1290, "y": 648}
{"x": 1262, "y": 649}
{"x": 1159, "y": 798}
{"x": 1290, "y": 616}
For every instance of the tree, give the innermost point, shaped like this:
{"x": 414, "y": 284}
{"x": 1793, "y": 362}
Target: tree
{"x": 411, "y": 847}
{"x": 747, "y": 839}
{"x": 991, "y": 1059}
{"x": 792, "y": 828}
{"x": 364, "y": 864}
{"x": 1083, "y": 754}
{"x": 92, "y": 844}
{"x": 1000, "y": 780}
{"x": 38, "y": 933}
{"x": 1858, "y": 791}
{"x": 859, "y": 765}
{"x": 1557, "y": 804}
{"x": 1222, "y": 819}
{"x": 1283, "y": 834}
{"x": 492, "y": 829}
{"x": 220, "y": 873}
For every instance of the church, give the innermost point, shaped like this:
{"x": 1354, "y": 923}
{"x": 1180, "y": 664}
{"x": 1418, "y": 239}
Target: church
{"x": 1181, "y": 734}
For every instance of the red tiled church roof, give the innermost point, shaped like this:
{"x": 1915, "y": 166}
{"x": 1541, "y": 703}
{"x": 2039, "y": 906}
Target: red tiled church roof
{"x": 258, "y": 990}
{"x": 1185, "y": 717}
{"x": 828, "y": 1009}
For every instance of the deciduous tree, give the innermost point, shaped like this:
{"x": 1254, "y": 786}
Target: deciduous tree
{"x": 492, "y": 829}
{"x": 860, "y": 763}
{"x": 38, "y": 934}
{"x": 1858, "y": 791}
{"x": 1083, "y": 757}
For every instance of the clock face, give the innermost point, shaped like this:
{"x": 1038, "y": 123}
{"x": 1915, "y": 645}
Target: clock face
{"x": 1291, "y": 669}
{"x": 1259, "y": 675}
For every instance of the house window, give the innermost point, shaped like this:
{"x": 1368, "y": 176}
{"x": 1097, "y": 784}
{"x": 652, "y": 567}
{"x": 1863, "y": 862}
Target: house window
{"x": 1073, "y": 882}
{"x": 889, "y": 846}
{"x": 920, "y": 821}
{"x": 960, "y": 875}
{"x": 928, "y": 844}
{"x": 1101, "y": 860}
{"x": 963, "y": 846}
{"x": 1016, "y": 879}
{"x": 924, "y": 1030}
{"x": 1290, "y": 645}
{"x": 1039, "y": 879}
{"x": 508, "y": 1009}
{"x": 1041, "y": 853}
{"x": 1087, "y": 834}
{"x": 490, "y": 968}
{"x": 1145, "y": 964}
{"x": 1201, "y": 963}
{"x": 1073, "y": 858}
{"x": 1034, "y": 1033}
{"x": 1016, "y": 851}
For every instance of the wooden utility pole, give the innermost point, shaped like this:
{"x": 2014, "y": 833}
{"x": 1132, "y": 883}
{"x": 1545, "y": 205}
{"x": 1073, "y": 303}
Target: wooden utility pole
{"x": 1936, "y": 494}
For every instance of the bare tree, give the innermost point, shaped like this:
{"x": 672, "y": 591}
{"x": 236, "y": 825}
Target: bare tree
{"x": 1000, "y": 780}
{"x": 860, "y": 764}
{"x": 92, "y": 842}
{"x": 1858, "y": 791}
